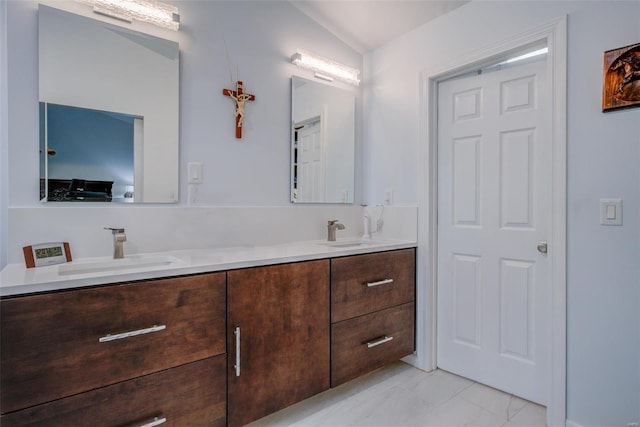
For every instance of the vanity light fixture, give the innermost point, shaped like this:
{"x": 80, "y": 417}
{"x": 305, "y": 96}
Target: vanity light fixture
{"x": 323, "y": 77}
{"x": 325, "y": 68}
{"x": 161, "y": 14}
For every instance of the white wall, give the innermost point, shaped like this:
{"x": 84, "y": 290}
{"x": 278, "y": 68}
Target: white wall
{"x": 259, "y": 38}
{"x": 603, "y": 269}
{"x": 603, "y": 384}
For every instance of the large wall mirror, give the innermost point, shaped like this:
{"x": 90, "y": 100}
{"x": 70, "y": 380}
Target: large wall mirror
{"x": 323, "y": 143}
{"x": 108, "y": 112}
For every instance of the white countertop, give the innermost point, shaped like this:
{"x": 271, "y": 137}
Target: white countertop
{"x": 16, "y": 279}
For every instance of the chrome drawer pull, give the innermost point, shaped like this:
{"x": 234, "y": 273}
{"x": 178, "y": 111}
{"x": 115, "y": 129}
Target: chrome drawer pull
{"x": 154, "y": 328}
{"x": 379, "y": 341}
{"x": 379, "y": 282}
{"x": 156, "y": 422}
{"x": 237, "y": 364}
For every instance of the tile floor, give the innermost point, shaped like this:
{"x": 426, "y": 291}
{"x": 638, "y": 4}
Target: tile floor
{"x": 400, "y": 395}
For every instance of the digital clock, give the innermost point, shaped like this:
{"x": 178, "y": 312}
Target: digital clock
{"x": 46, "y": 254}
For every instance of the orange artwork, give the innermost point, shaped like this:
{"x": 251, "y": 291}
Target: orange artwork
{"x": 239, "y": 98}
{"x": 621, "y": 78}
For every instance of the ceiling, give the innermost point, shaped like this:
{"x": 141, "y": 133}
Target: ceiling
{"x": 368, "y": 24}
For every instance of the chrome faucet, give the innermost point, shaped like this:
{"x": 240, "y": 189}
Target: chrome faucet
{"x": 332, "y": 226}
{"x": 118, "y": 239}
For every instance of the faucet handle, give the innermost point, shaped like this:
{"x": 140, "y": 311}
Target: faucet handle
{"x": 115, "y": 230}
{"x": 332, "y": 221}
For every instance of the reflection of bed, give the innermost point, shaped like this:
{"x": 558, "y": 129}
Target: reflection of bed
{"x": 61, "y": 190}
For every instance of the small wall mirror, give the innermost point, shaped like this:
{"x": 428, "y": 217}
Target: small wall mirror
{"x": 323, "y": 143}
{"x": 108, "y": 112}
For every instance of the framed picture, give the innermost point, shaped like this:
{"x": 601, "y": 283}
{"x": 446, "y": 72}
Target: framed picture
{"x": 621, "y": 78}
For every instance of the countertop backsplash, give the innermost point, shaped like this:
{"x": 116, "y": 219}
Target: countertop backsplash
{"x": 162, "y": 228}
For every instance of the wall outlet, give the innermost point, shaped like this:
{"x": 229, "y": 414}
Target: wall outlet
{"x": 388, "y": 196}
{"x": 193, "y": 194}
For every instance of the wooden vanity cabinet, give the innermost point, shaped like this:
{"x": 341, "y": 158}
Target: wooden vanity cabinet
{"x": 64, "y": 344}
{"x": 282, "y": 315}
{"x": 372, "y": 312}
{"x": 215, "y": 349}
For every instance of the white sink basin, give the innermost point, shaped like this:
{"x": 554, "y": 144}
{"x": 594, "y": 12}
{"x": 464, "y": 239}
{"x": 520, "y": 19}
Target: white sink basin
{"x": 132, "y": 262}
{"x": 347, "y": 244}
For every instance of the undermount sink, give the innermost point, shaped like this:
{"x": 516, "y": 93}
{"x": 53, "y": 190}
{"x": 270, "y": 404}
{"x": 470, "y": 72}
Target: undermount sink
{"x": 346, "y": 244}
{"x": 128, "y": 263}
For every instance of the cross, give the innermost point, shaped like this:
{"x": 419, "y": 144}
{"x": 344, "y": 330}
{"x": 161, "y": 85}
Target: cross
{"x": 239, "y": 97}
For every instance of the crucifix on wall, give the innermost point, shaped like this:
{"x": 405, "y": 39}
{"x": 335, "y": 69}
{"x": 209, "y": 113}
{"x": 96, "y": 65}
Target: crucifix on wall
{"x": 239, "y": 97}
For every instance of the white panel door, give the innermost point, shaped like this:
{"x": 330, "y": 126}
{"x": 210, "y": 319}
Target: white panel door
{"x": 311, "y": 169}
{"x": 494, "y": 197}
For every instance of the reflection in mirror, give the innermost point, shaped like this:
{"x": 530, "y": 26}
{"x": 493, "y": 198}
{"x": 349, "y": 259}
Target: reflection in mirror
{"x": 323, "y": 143}
{"x": 108, "y": 160}
{"x": 108, "y": 112}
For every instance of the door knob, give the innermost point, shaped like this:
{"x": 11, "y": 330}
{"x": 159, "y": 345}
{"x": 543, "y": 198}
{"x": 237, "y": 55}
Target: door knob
{"x": 542, "y": 247}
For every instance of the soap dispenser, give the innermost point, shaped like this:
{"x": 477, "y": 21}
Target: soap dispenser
{"x": 366, "y": 226}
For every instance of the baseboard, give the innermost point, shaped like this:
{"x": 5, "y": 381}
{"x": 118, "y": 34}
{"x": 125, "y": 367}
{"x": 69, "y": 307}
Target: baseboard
{"x": 410, "y": 359}
{"x": 570, "y": 423}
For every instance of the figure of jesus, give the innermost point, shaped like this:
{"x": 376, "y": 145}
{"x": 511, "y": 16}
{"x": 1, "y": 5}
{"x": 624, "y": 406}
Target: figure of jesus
{"x": 240, "y": 100}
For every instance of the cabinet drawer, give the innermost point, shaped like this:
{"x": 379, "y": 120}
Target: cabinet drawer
{"x": 190, "y": 395}
{"x": 369, "y": 342}
{"x": 361, "y": 284}
{"x": 60, "y": 344}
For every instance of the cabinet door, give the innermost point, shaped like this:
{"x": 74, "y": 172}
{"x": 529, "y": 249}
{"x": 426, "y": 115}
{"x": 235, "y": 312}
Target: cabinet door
{"x": 282, "y": 313}
{"x": 190, "y": 395}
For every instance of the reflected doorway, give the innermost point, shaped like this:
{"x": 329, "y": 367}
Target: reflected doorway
{"x": 89, "y": 155}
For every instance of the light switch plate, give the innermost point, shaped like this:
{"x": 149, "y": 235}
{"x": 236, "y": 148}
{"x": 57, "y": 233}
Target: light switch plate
{"x": 195, "y": 172}
{"x": 611, "y": 211}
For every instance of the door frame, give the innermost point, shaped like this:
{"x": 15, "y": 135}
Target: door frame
{"x": 555, "y": 34}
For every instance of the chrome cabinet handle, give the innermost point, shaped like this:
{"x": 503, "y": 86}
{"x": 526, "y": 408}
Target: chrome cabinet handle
{"x": 156, "y": 422}
{"x": 236, "y": 332}
{"x": 379, "y": 282}
{"x": 379, "y": 341}
{"x": 154, "y": 328}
